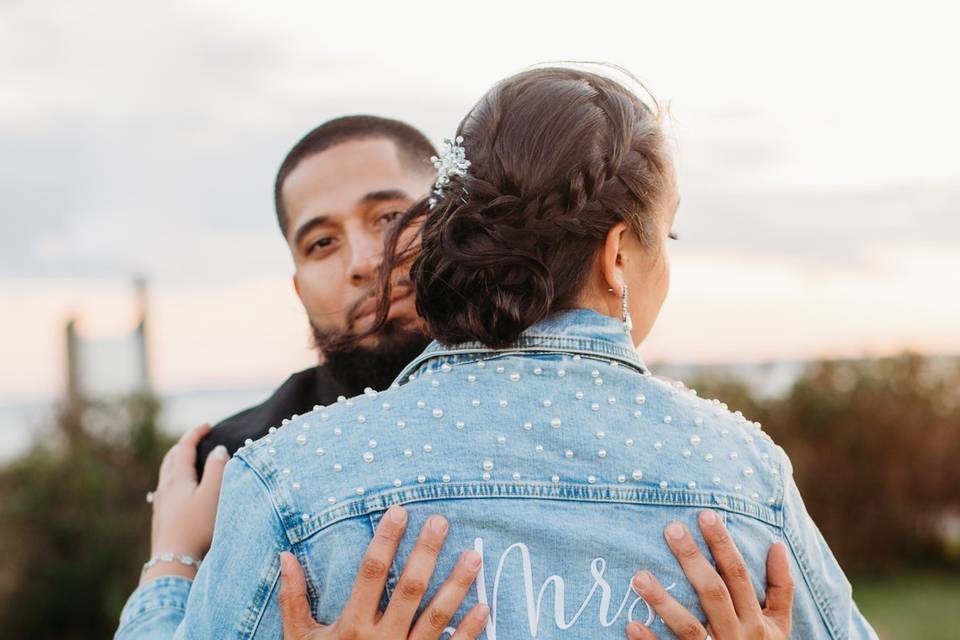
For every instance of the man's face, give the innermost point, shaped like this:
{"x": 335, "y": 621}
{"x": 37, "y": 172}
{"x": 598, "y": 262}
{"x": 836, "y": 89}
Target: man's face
{"x": 338, "y": 204}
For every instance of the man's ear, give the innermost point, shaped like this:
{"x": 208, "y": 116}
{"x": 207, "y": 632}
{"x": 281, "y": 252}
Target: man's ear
{"x": 296, "y": 286}
{"x": 611, "y": 258}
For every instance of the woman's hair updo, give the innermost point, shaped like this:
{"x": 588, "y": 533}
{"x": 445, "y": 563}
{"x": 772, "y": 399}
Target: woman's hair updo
{"x": 558, "y": 156}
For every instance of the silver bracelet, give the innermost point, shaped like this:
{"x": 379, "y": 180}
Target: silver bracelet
{"x": 184, "y": 559}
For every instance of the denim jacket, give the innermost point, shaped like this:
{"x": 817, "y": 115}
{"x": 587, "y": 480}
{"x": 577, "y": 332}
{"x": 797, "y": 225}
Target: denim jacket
{"x": 560, "y": 460}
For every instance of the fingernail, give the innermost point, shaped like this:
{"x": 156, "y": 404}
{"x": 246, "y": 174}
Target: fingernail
{"x": 634, "y": 630}
{"x": 482, "y": 611}
{"x": 438, "y": 524}
{"x": 397, "y": 515}
{"x": 283, "y": 564}
{"x": 675, "y": 531}
{"x": 471, "y": 559}
{"x": 642, "y": 581}
{"x": 219, "y": 452}
{"x": 709, "y": 517}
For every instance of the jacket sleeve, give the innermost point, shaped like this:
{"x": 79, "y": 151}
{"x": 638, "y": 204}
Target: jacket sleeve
{"x": 823, "y": 603}
{"x": 237, "y": 579}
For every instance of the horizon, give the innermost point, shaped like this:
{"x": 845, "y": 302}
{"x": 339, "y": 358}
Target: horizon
{"x": 23, "y": 422}
{"x": 734, "y": 369}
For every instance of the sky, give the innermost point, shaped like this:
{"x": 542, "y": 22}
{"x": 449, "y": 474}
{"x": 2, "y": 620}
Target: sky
{"x": 816, "y": 145}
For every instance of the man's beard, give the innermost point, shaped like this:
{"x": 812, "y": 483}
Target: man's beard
{"x": 376, "y": 366}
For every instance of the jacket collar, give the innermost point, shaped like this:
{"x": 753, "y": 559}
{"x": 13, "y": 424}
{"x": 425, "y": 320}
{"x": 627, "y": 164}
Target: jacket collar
{"x": 578, "y": 331}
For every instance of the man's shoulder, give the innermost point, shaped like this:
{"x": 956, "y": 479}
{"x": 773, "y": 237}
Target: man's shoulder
{"x": 298, "y": 394}
{"x": 299, "y": 388}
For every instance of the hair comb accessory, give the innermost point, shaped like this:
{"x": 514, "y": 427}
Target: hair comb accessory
{"x": 451, "y": 162}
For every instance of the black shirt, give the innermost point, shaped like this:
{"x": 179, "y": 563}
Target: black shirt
{"x": 298, "y": 395}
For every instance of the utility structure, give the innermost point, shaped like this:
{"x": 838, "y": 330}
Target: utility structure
{"x": 127, "y": 356}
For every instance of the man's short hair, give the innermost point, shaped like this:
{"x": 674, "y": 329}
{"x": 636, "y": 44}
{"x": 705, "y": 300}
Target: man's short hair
{"x": 413, "y": 148}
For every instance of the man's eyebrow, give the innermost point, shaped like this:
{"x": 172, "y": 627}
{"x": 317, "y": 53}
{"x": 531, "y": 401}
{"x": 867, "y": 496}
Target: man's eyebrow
{"x": 381, "y": 195}
{"x": 308, "y": 226}
{"x": 384, "y": 194}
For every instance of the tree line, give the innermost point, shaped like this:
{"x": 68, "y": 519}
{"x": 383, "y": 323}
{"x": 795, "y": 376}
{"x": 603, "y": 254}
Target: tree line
{"x": 875, "y": 446}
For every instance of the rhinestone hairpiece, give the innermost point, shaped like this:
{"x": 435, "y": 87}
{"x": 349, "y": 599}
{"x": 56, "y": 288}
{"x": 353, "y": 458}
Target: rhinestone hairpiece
{"x": 451, "y": 162}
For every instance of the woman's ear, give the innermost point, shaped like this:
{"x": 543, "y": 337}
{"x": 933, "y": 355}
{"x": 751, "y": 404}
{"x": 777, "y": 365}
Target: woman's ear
{"x": 612, "y": 258}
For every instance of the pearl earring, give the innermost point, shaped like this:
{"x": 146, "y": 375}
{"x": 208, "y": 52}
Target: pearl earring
{"x": 625, "y": 311}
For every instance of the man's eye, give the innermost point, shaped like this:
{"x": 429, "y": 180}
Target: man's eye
{"x": 319, "y": 243}
{"x": 389, "y": 216}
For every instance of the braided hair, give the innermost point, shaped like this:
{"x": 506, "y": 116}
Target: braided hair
{"x": 558, "y": 157}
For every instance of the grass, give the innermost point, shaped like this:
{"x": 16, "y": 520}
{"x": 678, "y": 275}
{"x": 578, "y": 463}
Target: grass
{"x": 905, "y": 607}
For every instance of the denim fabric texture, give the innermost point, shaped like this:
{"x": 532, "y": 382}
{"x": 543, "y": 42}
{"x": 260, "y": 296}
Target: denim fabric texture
{"x": 560, "y": 460}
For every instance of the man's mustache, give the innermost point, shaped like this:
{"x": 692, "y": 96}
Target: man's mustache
{"x": 360, "y": 307}
{"x": 336, "y": 340}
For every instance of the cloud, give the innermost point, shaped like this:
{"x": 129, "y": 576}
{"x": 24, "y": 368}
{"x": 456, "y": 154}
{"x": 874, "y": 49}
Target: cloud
{"x": 146, "y": 139}
{"x": 142, "y": 138}
{"x": 822, "y": 229}
{"x": 121, "y": 133}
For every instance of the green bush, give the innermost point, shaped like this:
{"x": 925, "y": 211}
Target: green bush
{"x": 74, "y": 524}
{"x": 875, "y": 446}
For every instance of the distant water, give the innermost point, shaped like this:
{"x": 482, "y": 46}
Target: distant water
{"x": 21, "y": 424}
{"x": 765, "y": 380}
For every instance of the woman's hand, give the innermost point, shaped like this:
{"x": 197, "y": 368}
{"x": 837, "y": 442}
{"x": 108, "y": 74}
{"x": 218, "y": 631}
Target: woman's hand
{"x": 184, "y": 510}
{"x": 361, "y": 618}
{"x": 728, "y": 598}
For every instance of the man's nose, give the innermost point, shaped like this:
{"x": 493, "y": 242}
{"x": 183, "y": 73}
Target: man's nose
{"x": 365, "y": 256}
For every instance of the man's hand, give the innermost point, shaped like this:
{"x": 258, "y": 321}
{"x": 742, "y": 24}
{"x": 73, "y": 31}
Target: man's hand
{"x": 728, "y": 599}
{"x": 361, "y": 618}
